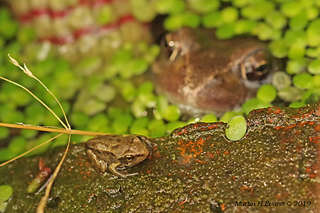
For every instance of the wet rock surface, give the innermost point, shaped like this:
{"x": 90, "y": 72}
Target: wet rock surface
{"x": 274, "y": 168}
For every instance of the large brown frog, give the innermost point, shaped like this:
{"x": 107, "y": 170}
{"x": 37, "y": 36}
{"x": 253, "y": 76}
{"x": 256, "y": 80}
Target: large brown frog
{"x": 203, "y": 74}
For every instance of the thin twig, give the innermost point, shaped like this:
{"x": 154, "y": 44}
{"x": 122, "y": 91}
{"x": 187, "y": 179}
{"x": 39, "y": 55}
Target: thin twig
{"x": 36, "y": 97}
{"x": 26, "y": 70}
{"x": 30, "y": 150}
{"x": 44, "y": 199}
{"x": 50, "y": 129}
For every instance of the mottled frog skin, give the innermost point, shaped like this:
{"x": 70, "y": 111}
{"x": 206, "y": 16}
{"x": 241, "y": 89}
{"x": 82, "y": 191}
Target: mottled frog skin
{"x": 203, "y": 74}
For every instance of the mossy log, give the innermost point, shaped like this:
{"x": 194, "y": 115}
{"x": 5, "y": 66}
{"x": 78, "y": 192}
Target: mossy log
{"x": 274, "y": 168}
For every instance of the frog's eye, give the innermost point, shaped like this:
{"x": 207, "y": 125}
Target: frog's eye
{"x": 172, "y": 48}
{"x": 255, "y": 66}
{"x": 129, "y": 158}
{"x": 254, "y": 73}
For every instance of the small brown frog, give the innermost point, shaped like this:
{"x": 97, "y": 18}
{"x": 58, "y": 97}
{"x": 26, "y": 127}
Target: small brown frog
{"x": 113, "y": 152}
{"x": 203, "y": 74}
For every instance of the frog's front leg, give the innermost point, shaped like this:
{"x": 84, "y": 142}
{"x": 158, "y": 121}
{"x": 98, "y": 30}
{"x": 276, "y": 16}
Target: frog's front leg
{"x": 113, "y": 168}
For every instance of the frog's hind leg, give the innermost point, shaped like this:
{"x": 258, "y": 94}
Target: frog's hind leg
{"x": 113, "y": 168}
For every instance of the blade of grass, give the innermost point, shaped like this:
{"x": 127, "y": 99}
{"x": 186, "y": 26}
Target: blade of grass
{"x": 35, "y": 97}
{"x": 30, "y": 150}
{"x": 44, "y": 199}
{"x": 51, "y": 129}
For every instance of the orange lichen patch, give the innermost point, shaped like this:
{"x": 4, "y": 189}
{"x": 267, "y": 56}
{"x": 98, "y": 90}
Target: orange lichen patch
{"x": 278, "y": 196}
{"x": 317, "y": 128}
{"x": 315, "y": 139}
{"x": 200, "y": 161}
{"x": 312, "y": 176}
{"x": 308, "y": 170}
{"x": 223, "y": 207}
{"x": 246, "y": 188}
{"x": 278, "y": 127}
{"x": 210, "y": 155}
{"x": 186, "y": 159}
{"x": 303, "y": 123}
{"x": 183, "y": 202}
{"x": 302, "y": 116}
{"x": 270, "y": 120}
{"x": 275, "y": 110}
{"x": 190, "y": 149}
{"x": 291, "y": 126}
{"x": 213, "y": 126}
{"x": 226, "y": 152}
{"x": 182, "y": 131}
{"x": 297, "y": 132}
{"x": 317, "y": 111}
{"x": 281, "y": 196}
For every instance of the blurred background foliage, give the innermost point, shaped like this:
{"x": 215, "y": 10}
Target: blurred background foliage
{"x": 94, "y": 56}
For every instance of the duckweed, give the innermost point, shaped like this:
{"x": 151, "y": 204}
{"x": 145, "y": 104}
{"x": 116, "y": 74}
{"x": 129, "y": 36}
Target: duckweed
{"x": 143, "y": 10}
{"x": 253, "y": 103}
{"x": 213, "y": 19}
{"x": 227, "y": 116}
{"x": 316, "y": 81}
{"x": 139, "y": 126}
{"x": 6, "y": 154}
{"x": 36, "y": 142}
{"x": 299, "y": 21}
{"x": 236, "y": 128}
{"x": 174, "y": 125}
{"x": 267, "y": 93}
{"x": 313, "y": 33}
{"x": 297, "y": 104}
{"x": 296, "y": 66}
{"x": 303, "y": 81}
{"x": 290, "y": 94}
{"x": 314, "y": 67}
{"x": 179, "y": 20}
{"x": 6, "y": 192}
{"x": 4, "y": 132}
{"x": 169, "y": 6}
{"x": 226, "y": 31}
{"x": 279, "y": 48}
{"x": 156, "y": 128}
{"x": 229, "y": 14}
{"x": 281, "y": 80}
{"x": 28, "y": 133}
{"x": 291, "y": 8}
{"x": 99, "y": 122}
{"x": 204, "y": 6}
{"x": 121, "y": 124}
{"x": 171, "y": 113}
{"x": 276, "y": 19}
{"x": 79, "y": 119}
{"x": 209, "y": 118}
{"x": 127, "y": 90}
{"x": 245, "y": 26}
{"x": 17, "y": 145}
